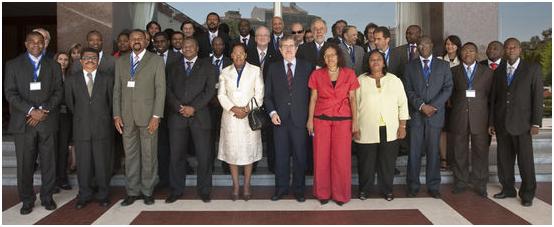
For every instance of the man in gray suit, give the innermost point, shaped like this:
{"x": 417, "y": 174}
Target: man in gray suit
{"x": 106, "y": 62}
{"x": 354, "y": 54}
{"x": 138, "y": 105}
{"x": 428, "y": 87}
{"x": 88, "y": 95}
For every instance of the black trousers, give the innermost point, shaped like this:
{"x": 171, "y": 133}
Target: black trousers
{"x": 63, "y": 137}
{"x": 29, "y": 146}
{"x": 377, "y": 157}
{"x": 179, "y": 140}
{"x": 290, "y": 141}
{"x": 479, "y": 174}
{"x": 267, "y": 138}
{"x": 163, "y": 152}
{"x": 511, "y": 147}
{"x": 94, "y": 167}
{"x": 424, "y": 139}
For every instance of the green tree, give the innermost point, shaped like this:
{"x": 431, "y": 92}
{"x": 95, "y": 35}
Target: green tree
{"x": 540, "y": 51}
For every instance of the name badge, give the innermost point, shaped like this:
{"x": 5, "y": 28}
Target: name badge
{"x": 130, "y": 83}
{"x": 470, "y": 93}
{"x": 34, "y": 86}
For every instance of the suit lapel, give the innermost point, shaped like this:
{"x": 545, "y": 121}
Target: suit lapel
{"x": 97, "y": 84}
{"x": 520, "y": 71}
{"x": 145, "y": 59}
{"x": 82, "y": 84}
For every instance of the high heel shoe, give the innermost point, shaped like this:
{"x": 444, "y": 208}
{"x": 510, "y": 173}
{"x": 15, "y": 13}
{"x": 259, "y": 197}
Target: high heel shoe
{"x": 247, "y": 196}
{"x": 234, "y": 197}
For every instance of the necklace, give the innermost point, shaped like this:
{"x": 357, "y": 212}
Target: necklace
{"x": 334, "y": 71}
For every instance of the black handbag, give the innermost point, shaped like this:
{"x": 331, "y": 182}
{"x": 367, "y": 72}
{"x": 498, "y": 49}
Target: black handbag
{"x": 257, "y": 117}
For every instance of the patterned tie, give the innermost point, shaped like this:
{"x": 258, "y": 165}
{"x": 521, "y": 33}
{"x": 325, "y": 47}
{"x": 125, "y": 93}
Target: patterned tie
{"x": 277, "y": 43}
{"x": 426, "y": 70}
{"x": 510, "y": 75}
{"x": 352, "y": 55}
{"x": 188, "y": 70}
{"x": 217, "y": 64}
{"x": 90, "y": 84}
{"x": 136, "y": 63}
{"x": 262, "y": 59}
{"x": 412, "y": 51}
{"x": 289, "y": 75}
{"x": 493, "y": 66}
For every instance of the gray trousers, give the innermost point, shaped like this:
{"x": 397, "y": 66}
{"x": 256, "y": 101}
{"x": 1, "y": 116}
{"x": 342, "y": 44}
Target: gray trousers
{"x": 141, "y": 160}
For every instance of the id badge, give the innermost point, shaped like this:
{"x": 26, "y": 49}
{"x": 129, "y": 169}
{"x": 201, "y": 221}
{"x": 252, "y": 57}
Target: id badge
{"x": 470, "y": 94}
{"x": 130, "y": 83}
{"x": 34, "y": 86}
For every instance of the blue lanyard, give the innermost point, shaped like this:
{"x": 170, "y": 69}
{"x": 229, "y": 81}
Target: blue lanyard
{"x": 132, "y": 71}
{"x": 470, "y": 79}
{"x": 36, "y": 66}
{"x": 239, "y": 72}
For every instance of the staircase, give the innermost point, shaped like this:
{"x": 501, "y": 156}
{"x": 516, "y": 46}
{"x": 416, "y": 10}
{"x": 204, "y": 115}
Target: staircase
{"x": 542, "y": 145}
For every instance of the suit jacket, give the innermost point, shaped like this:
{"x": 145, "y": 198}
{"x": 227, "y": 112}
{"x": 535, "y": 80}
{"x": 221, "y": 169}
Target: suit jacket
{"x": 195, "y": 90}
{"x": 19, "y": 75}
{"x": 308, "y": 52}
{"x": 292, "y": 106}
{"x": 205, "y": 47}
{"x": 275, "y": 47}
{"x": 106, "y": 65}
{"x": 470, "y": 111}
{"x": 394, "y": 65}
{"x": 251, "y": 42}
{"x": 516, "y": 108}
{"x": 335, "y": 40}
{"x": 92, "y": 115}
{"x": 137, "y": 105}
{"x": 226, "y": 62}
{"x": 398, "y": 60}
{"x": 435, "y": 91}
{"x": 254, "y": 58}
{"x": 358, "y": 56}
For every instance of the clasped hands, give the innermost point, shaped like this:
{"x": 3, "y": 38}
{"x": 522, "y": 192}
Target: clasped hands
{"x": 240, "y": 112}
{"x": 36, "y": 116}
{"x": 428, "y": 110}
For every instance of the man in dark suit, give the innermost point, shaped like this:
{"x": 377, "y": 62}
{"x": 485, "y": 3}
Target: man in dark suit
{"x": 310, "y": 51}
{"x": 106, "y": 62}
{"x": 286, "y": 100}
{"x": 205, "y": 39}
{"x": 368, "y": 33}
{"x": 381, "y": 37}
{"x": 88, "y": 95}
{"x": 337, "y": 29}
{"x": 34, "y": 91}
{"x": 190, "y": 87}
{"x": 428, "y": 87}
{"x": 495, "y": 51}
{"x": 244, "y": 35}
{"x": 161, "y": 44}
{"x": 515, "y": 116}
{"x": 138, "y": 105}
{"x": 353, "y": 54}
{"x": 277, "y": 27}
{"x": 406, "y": 52}
{"x": 468, "y": 119}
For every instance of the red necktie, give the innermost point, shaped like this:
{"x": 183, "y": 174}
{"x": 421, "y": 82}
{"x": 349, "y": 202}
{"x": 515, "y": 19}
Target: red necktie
{"x": 289, "y": 76}
{"x": 493, "y": 66}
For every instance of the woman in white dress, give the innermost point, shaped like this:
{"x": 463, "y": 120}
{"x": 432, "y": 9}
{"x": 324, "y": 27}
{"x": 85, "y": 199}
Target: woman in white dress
{"x": 238, "y": 144}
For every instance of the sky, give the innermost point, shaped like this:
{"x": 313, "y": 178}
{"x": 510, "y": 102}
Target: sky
{"x": 520, "y": 20}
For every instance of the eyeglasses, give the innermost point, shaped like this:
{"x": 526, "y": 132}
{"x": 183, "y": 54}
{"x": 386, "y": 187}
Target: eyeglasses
{"x": 297, "y": 32}
{"x": 89, "y": 58}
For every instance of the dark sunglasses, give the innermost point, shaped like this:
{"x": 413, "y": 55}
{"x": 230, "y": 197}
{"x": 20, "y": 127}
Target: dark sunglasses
{"x": 297, "y": 32}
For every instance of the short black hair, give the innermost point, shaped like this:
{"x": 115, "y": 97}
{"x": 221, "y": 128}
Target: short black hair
{"x": 190, "y": 39}
{"x": 94, "y": 32}
{"x": 213, "y": 13}
{"x": 91, "y": 50}
{"x": 33, "y": 34}
{"x": 237, "y": 44}
{"x": 139, "y": 31}
{"x": 340, "y": 57}
{"x": 470, "y": 44}
{"x": 368, "y": 26}
{"x": 164, "y": 34}
{"x": 178, "y": 33}
{"x": 512, "y": 39}
{"x": 384, "y": 30}
{"x": 123, "y": 33}
{"x": 374, "y": 51}
{"x": 151, "y": 23}
{"x": 187, "y": 22}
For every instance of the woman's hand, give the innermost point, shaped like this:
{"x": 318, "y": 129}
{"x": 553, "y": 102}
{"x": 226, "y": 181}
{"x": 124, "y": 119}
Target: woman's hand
{"x": 310, "y": 126}
{"x": 356, "y": 132}
{"x": 401, "y": 132}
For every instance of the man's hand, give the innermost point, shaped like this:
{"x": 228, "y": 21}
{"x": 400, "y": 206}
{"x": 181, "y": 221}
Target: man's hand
{"x": 189, "y": 110}
{"x": 36, "y": 116}
{"x": 428, "y": 110}
{"x": 153, "y": 124}
{"x": 356, "y": 132}
{"x": 276, "y": 119}
{"x": 401, "y": 132}
{"x": 118, "y": 124}
{"x": 534, "y": 130}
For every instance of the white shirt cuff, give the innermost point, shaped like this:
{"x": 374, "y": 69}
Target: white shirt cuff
{"x": 155, "y": 116}
{"x": 421, "y": 106}
{"x": 29, "y": 112}
{"x": 272, "y": 113}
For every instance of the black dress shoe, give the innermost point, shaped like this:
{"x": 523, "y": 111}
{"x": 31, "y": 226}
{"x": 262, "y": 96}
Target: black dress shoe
{"x": 129, "y": 200}
{"x": 148, "y": 200}
{"x": 300, "y": 197}
{"x": 278, "y": 196}
{"x": 526, "y": 203}
{"x": 503, "y": 195}
{"x": 435, "y": 194}
{"x": 362, "y": 196}
{"x": 458, "y": 190}
{"x": 56, "y": 190}
{"x": 49, "y": 205}
{"x": 396, "y": 172}
{"x": 323, "y": 201}
{"x": 27, "y": 208}
{"x": 482, "y": 193}
{"x": 81, "y": 204}
{"x": 389, "y": 197}
{"x": 411, "y": 194}
{"x": 339, "y": 203}
{"x": 65, "y": 186}
{"x": 205, "y": 198}
{"x": 104, "y": 202}
{"x": 172, "y": 198}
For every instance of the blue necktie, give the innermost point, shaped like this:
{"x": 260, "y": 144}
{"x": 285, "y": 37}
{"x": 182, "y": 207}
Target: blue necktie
{"x": 426, "y": 69}
{"x": 352, "y": 55}
{"x": 510, "y": 76}
{"x": 188, "y": 70}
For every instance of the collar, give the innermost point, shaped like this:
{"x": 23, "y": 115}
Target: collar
{"x": 216, "y": 58}
{"x": 35, "y": 59}
{"x": 471, "y": 67}
{"x": 280, "y": 36}
{"x": 192, "y": 60}
{"x": 214, "y": 33}
{"x": 176, "y": 50}
{"x": 93, "y": 74}
{"x": 140, "y": 55}
{"x": 293, "y": 62}
{"x": 515, "y": 65}
{"x": 430, "y": 58}
{"x": 319, "y": 45}
{"x": 165, "y": 53}
{"x": 497, "y": 61}
{"x": 245, "y": 37}
{"x": 386, "y": 51}
{"x": 260, "y": 50}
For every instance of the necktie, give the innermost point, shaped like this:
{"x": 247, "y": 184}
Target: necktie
{"x": 277, "y": 43}
{"x": 90, "y": 84}
{"x": 244, "y": 40}
{"x": 289, "y": 75}
{"x": 188, "y": 70}
{"x": 318, "y": 48}
{"x": 217, "y": 64}
{"x": 352, "y": 56}
{"x": 493, "y": 66}
{"x": 426, "y": 70}
{"x": 262, "y": 59}
{"x": 510, "y": 75}
{"x": 412, "y": 51}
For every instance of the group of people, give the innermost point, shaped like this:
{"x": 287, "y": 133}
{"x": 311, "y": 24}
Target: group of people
{"x": 163, "y": 95}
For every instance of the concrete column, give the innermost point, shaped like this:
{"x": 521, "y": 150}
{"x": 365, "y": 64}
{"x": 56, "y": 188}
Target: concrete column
{"x": 277, "y": 12}
{"x": 407, "y": 13}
